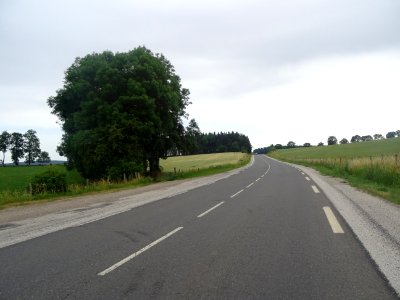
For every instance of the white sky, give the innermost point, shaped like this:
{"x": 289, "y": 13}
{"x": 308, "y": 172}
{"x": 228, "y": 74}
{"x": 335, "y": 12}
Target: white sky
{"x": 276, "y": 71}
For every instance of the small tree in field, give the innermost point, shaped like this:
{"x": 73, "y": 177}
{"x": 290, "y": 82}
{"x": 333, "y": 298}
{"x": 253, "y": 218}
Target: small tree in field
{"x": 378, "y": 136}
{"x": 44, "y": 158}
{"x": 291, "y": 144}
{"x": 332, "y": 140}
{"x": 344, "y": 141}
{"x": 16, "y": 147}
{"x": 390, "y": 135}
{"x": 5, "y": 139}
{"x": 31, "y": 146}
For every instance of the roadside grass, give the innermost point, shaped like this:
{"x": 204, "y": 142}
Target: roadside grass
{"x": 364, "y": 165}
{"x": 14, "y": 181}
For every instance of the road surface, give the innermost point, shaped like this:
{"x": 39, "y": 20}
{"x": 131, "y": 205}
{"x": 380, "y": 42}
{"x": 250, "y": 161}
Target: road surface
{"x": 267, "y": 232}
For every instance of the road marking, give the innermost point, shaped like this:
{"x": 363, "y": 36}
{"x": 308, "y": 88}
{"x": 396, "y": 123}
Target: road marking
{"x": 132, "y": 256}
{"x": 262, "y": 176}
{"x": 258, "y": 179}
{"x": 212, "y": 208}
{"x": 308, "y": 179}
{"x": 234, "y": 195}
{"x": 336, "y": 228}
{"x": 315, "y": 189}
{"x": 302, "y": 173}
{"x": 249, "y": 185}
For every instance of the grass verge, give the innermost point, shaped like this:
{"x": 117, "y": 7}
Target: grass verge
{"x": 378, "y": 176}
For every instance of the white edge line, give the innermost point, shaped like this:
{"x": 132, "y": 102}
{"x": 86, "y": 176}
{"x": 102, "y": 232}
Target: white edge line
{"x": 212, "y": 208}
{"x": 249, "y": 185}
{"x": 125, "y": 260}
{"x": 307, "y": 178}
{"x": 315, "y": 189}
{"x": 336, "y": 228}
{"x": 258, "y": 179}
{"x": 234, "y": 195}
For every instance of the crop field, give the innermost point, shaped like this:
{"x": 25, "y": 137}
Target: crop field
{"x": 354, "y": 150}
{"x": 372, "y": 166}
{"x": 201, "y": 161}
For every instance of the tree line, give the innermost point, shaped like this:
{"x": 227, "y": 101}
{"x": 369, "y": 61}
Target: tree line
{"x": 21, "y": 145}
{"x": 332, "y": 140}
{"x": 122, "y": 112}
{"x": 196, "y": 142}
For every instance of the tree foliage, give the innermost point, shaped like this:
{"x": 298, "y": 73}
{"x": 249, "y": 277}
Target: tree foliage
{"x": 31, "y": 146}
{"x": 5, "y": 140}
{"x": 44, "y": 158}
{"x": 120, "y": 108}
{"x": 391, "y": 134}
{"x": 344, "y": 141}
{"x": 16, "y": 147}
{"x": 332, "y": 140}
{"x": 203, "y": 143}
{"x": 356, "y": 139}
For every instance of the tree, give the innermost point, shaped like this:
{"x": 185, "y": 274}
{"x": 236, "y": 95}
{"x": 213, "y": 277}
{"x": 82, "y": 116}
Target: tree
{"x": 398, "y": 133}
{"x": 332, "y": 140}
{"x": 31, "y": 146}
{"x": 4, "y": 143}
{"x": 16, "y": 147}
{"x": 44, "y": 158}
{"x": 307, "y": 145}
{"x": 366, "y": 138}
{"x": 378, "y": 136}
{"x": 320, "y": 144}
{"x": 291, "y": 144}
{"x": 344, "y": 141}
{"x": 390, "y": 135}
{"x": 119, "y": 109}
{"x": 192, "y": 133}
{"x": 356, "y": 139}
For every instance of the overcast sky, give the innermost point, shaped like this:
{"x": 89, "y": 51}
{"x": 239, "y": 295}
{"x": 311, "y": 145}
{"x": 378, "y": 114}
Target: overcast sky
{"x": 298, "y": 70}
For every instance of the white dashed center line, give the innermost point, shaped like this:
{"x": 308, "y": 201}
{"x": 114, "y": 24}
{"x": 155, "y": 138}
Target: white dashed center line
{"x": 132, "y": 256}
{"x": 212, "y": 208}
{"x": 308, "y": 179}
{"x": 234, "y": 195}
{"x": 249, "y": 185}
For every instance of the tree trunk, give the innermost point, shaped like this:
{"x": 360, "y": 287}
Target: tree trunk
{"x": 154, "y": 163}
{"x": 4, "y": 156}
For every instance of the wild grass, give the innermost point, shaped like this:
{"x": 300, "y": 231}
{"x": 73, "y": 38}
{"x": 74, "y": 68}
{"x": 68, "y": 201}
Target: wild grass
{"x": 14, "y": 181}
{"x": 379, "y": 174}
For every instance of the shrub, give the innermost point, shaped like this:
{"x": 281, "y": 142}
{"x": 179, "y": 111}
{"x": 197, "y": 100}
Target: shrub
{"x": 117, "y": 172}
{"x": 50, "y": 181}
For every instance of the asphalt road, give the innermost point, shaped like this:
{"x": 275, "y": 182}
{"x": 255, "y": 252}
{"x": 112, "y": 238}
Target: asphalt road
{"x": 265, "y": 233}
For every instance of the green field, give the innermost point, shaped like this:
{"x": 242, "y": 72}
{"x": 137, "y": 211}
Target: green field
{"x": 372, "y": 166}
{"x": 201, "y": 161}
{"x": 354, "y": 150}
{"x": 18, "y": 178}
{"x": 14, "y": 181}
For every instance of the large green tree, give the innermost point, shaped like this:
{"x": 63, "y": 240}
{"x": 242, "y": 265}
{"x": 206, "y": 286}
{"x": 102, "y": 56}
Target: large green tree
{"x": 5, "y": 139}
{"x": 16, "y": 147}
{"x": 31, "y": 146}
{"x": 120, "y": 109}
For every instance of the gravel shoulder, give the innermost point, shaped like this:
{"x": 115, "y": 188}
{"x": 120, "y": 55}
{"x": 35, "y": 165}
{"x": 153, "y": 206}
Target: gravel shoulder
{"x": 374, "y": 221}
